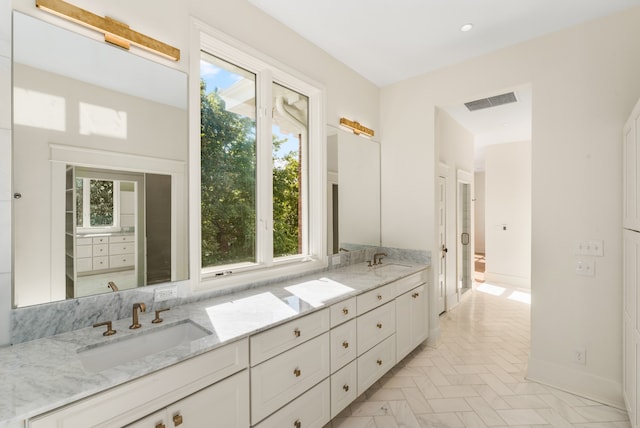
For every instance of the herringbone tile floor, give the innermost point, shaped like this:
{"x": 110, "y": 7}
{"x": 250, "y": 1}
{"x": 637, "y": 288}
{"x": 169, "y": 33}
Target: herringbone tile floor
{"x": 475, "y": 377}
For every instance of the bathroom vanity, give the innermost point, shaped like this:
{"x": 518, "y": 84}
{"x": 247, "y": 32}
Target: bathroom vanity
{"x": 294, "y": 354}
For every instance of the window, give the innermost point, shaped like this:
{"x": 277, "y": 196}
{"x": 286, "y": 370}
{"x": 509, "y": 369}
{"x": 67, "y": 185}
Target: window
{"x": 262, "y": 170}
{"x": 96, "y": 203}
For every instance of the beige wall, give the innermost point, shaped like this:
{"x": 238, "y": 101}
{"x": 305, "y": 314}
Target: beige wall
{"x": 585, "y": 82}
{"x": 508, "y": 206}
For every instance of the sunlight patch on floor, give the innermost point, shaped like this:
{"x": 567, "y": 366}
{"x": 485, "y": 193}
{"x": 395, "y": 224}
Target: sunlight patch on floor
{"x": 520, "y": 297}
{"x": 494, "y": 290}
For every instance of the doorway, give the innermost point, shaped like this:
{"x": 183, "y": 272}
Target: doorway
{"x": 442, "y": 233}
{"x": 465, "y": 262}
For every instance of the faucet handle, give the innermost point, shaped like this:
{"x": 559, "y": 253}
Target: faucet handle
{"x": 109, "y": 332}
{"x": 157, "y": 319}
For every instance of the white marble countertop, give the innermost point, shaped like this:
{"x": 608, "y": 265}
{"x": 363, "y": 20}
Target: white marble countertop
{"x": 44, "y": 374}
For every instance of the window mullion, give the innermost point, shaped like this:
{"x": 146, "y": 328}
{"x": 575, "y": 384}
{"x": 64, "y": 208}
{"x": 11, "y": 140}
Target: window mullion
{"x": 264, "y": 188}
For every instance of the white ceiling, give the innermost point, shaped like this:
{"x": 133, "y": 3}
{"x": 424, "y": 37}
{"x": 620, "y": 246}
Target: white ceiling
{"x": 389, "y": 41}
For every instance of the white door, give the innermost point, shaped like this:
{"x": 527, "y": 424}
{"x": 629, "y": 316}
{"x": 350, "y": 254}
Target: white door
{"x": 442, "y": 233}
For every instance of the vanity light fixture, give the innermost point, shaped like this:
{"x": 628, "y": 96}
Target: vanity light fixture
{"x": 115, "y": 32}
{"x": 356, "y": 127}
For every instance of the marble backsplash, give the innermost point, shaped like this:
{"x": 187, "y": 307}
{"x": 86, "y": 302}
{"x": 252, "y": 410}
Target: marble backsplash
{"x": 34, "y": 322}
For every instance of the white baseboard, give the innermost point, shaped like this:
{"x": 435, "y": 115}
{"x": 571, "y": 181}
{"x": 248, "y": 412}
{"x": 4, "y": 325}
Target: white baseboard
{"x": 577, "y": 382}
{"x": 501, "y": 279}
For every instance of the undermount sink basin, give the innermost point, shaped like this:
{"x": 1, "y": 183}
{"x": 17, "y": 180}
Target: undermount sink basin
{"x": 96, "y": 358}
{"x": 391, "y": 268}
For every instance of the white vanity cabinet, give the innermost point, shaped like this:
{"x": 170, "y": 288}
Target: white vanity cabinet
{"x": 223, "y": 404}
{"x": 412, "y": 314}
{"x": 156, "y": 393}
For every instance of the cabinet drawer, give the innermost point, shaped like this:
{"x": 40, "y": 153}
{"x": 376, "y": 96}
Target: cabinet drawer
{"x": 100, "y": 250}
{"x": 122, "y": 260}
{"x": 100, "y": 263}
{"x": 100, "y": 240}
{"x": 343, "y": 345}
{"x": 375, "y": 326}
{"x": 122, "y": 248}
{"x": 84, "y": 241}
{"x": 84, "y": 251}
{"x": 310, "y": 410}
{"x": 405, "y": 284}
{"x": 344, "y": 388}
{"x": 375, "y": 363}
{"x": 281, "y": 379}
{"x": 278, "y": 339}
{"x": 121, "y": 238}
{"x": 374, "y": 298}
{"x": 84, "y": 265}
{"x": 343, "y": 311}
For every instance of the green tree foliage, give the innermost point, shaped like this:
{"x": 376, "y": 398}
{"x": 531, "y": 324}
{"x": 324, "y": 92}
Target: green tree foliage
{"x": 228, "y": 186}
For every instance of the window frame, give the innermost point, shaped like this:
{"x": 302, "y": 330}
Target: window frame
{"x": 86, "y": 206}
{"x": 268, "y": 71}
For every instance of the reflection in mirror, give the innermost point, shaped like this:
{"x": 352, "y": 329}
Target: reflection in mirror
{"x": 353, "y": 172}
{"x": 100, "y": 162}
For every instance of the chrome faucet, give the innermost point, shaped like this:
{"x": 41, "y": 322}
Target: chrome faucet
{"x": 135, "y": 323}
{"x": 377, "y": 258}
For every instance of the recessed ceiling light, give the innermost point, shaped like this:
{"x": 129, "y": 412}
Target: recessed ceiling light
{"x": 466, "y": 27}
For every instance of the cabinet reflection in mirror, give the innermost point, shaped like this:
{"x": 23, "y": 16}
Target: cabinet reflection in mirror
{"x": 108, "y": 214}
{"x": 92, "y": 122}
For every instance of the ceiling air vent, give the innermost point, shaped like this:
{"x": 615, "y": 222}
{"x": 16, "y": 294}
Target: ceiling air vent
{"x": 496, "y": 100}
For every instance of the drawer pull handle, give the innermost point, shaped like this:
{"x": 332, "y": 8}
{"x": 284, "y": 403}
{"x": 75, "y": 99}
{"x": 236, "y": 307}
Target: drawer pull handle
{"x": 177, "y": 420}
{"x": 161, "y": 425}
{"x": 379, "y": 297}
{"x": 346, "y": 388}
{"x": 297, "y": 423}
{"x": 379, "y": 362}
{"x": 345, "y": 311}
{"x": 379, "y": 325}
{"x": 345, "y": 344}
{"x": 296, "y": 332}
{"x": 297, "y": 372}
{"x": 414, "y": 295}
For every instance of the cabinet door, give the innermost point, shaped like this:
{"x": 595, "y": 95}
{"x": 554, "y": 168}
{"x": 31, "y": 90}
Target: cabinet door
{"x": 224, "y": 404}
{"x": 411, "y": 321}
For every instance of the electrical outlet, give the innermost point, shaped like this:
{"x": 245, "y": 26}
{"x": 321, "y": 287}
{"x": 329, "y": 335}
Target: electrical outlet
{"x": 586, "y": 267}
{"x": 165, "y": 293}
{"x": 580, "y": 356}
{"x": 593, "y": 247}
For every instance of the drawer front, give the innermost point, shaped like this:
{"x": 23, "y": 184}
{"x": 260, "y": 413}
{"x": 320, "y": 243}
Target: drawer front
{"x": 123, "y": 248}
{"x": 122, "y": 260}
{"x": 84, "y": 251}
{"x": 84, "y": 265}
{"x": 100, "y": 240}
{"x": 343, "y": 345}
{"x": 310, "y": 410}
{"x": 410, "y": 282}
{"x": 84, "y": 241}
{"x": 374, "y": 298}
{"x": 100, "y": 250}
{"x": 375, "y": 326}
{"x": 375, "y": 363}
{"x": 121, "y": 238}
{"x": 343, "y": 311}
{"x": 281, "y": 379}
{"x": 279, "y": 339}
{"x": 100, "y": 263}
{"x": 344, "y": 388}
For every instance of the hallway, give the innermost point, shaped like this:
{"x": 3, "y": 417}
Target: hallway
{"x": 475, "y": 378}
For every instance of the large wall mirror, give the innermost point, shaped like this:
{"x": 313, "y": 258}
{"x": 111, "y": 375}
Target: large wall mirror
{"x": 99, "y": 166}
{"x": 353, "y": 173}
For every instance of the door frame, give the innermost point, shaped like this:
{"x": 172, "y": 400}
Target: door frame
{"x": 464, "y": 178}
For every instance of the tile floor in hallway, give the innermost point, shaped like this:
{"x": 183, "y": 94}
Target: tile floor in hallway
{"x": 474, "y": 378}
